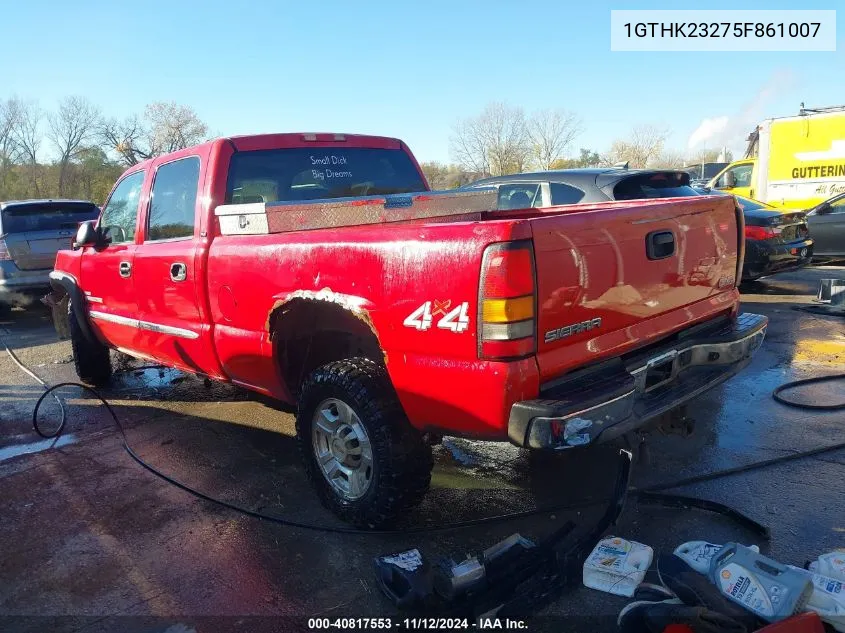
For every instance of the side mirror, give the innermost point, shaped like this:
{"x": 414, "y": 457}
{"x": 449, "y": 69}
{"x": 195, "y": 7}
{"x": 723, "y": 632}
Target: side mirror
{"x": 728, "y": 180}
{"x": 87, "y": 235}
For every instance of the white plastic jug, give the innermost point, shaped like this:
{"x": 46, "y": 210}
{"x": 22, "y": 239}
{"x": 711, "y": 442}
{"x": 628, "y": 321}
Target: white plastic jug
{"x": 827, "y": 599}
{"x": 697, "y": 554}
{"x": 831, "y": 565}
{"x": 617, "y": 566}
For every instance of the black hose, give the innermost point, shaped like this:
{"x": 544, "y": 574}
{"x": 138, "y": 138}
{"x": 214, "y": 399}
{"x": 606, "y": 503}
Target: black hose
{"x": 422, "y": 529}
{"x": 808, "y": 381}
{"x": 418, "y": 529}
{"x": 280, "y": 520}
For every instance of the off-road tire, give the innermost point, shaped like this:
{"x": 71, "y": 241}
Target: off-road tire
{"x": 402, "y": 460}
{"x": 91, "y": 360}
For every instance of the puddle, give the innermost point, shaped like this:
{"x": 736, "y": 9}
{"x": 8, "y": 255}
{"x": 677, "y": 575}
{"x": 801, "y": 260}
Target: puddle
{"x": 459, "y": 454}
{"x": 9, "y": 452}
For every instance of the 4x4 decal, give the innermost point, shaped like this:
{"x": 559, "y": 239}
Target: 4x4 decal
{"x": 456, "y": 319}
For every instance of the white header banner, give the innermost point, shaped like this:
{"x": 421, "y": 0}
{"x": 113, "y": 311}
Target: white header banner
{"x": 723, "y": 30}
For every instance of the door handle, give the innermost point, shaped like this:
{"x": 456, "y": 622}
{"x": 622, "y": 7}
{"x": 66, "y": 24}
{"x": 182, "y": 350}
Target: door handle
{"x": 178, "y": 271}
{"x": 125, "y": 269}
{"x": 659, "y": 244}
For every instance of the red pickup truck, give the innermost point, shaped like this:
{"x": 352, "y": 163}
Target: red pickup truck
{"x": 318, "y": 269}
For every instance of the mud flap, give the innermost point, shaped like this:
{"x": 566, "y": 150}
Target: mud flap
{"x": 58, "y": 302}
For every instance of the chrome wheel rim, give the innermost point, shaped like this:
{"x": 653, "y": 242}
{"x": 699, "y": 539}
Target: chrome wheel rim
{"x": 342, "y": 448}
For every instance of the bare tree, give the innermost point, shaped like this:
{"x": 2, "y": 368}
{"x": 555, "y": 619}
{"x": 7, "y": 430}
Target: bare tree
{"x": 711, "y": 156}
{"x": 495, "y": 142}
{"x": 551, "y": 132}
{"x": 469, "y": 148}
{"x": 9, "y": 113}
{"x": 126, "y": 138}
{"x": 670, "y": 159}
{"x": 27, "y": 139}
{"x": 173, "y": 127}
{"x": 642, "y": 149}
{"x": 75, "y": 122}
{"x": 165, "y": 127}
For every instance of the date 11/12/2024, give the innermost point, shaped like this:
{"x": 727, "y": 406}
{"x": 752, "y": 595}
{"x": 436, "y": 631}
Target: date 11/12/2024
{"x": 416, "y": 624}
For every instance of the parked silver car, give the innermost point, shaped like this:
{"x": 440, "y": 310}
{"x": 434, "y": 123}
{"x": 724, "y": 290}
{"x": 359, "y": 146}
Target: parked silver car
{"x": 31, "y": 232}
{"x": 827, "y": 226}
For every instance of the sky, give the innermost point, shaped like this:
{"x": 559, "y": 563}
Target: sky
{"x": 404, "y": 69}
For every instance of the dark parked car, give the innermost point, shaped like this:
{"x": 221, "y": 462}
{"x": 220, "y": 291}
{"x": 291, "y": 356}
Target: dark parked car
{"x": 775, "y": 240}
{"x": 31, "y": 232}
{"x": 572, "y": 186}
{"x": 827, "y": 226}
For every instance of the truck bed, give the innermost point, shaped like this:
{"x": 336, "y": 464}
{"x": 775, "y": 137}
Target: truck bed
{"x": 598, "y": 293}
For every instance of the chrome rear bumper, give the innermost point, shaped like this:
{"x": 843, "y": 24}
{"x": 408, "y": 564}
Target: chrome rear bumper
{"x": 600, "y": 403}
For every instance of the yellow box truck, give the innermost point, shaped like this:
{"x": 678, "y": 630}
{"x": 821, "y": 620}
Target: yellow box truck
{"x": 792, "y": 162}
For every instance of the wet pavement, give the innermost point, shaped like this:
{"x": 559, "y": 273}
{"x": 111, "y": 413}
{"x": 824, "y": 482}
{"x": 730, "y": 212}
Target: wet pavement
{"x": 90, "y": 541}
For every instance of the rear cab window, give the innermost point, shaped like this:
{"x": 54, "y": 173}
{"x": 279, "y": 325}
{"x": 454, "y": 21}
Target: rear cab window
{"x": 658, "y": 185}
{"x": 47, "y": 216}
{"x": 313, "y": 173}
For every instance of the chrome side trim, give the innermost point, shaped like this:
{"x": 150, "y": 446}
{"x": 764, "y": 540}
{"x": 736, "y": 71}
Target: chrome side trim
{"x": 143, "y": 325}
{"x": 137, "y": 355}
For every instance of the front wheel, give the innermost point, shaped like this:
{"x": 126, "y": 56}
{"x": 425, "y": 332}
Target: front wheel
{"x": 367, "y": 463}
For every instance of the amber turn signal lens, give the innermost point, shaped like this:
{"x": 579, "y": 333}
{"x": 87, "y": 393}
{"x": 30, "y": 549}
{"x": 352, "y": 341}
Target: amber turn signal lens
{"x": 507, "y": 310}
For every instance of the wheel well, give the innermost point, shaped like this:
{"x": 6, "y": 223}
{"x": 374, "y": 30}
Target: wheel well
{"x": 308, "y": 333}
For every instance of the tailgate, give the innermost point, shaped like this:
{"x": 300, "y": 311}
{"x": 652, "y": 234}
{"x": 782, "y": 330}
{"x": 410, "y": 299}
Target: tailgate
{"x": 616, "y": 278}
{"x": 37, "y": 250}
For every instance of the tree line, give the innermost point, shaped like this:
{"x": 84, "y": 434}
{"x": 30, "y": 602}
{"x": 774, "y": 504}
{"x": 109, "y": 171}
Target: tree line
{"x": 504, "y": 139}
{"x": 76, "y": 152}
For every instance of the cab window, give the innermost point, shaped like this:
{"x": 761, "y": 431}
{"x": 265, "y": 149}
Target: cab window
{"x": 120, "y": 213}
{"x": 173, "y": 200}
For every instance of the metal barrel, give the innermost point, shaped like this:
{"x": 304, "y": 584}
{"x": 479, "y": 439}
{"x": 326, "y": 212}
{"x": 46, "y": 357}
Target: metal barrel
{"x": 832, "y": 291}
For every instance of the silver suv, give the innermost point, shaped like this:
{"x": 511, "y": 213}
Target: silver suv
{"x": 31, "y": 232}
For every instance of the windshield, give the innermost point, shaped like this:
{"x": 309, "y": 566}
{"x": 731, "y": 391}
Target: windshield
{"x": 321, "y": 172}
{"x": 46, "y": 217}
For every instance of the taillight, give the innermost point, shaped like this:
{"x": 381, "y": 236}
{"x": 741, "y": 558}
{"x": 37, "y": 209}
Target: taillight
{"x": 4, "y": 251}
{"x": 740, "y": 245}
{"x": 760, "y": 232}
{"x": 507, "y": 302}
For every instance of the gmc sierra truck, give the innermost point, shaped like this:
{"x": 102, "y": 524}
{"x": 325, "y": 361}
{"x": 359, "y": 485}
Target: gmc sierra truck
{"x": 320, "y": 270}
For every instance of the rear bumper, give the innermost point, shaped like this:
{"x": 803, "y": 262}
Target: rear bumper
{"x": 598, "y": 405}
{"x": 762, "y": 258}
{"x": 13, "y": 280}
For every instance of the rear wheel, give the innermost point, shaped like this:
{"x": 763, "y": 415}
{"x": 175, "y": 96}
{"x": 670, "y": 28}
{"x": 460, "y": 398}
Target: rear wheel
{"x": 367, "y": 463}
{"x": 91, "y": 359}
